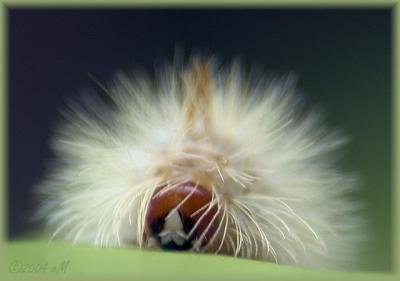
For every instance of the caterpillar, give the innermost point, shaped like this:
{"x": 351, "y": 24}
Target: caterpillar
{"x": 202, "y": 159}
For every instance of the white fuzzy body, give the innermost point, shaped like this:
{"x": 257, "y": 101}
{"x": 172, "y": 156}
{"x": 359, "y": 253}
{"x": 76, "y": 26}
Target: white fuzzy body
{"x": 271, "y": 169}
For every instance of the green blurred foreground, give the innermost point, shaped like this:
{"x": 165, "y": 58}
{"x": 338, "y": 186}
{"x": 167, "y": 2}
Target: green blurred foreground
{"x": 38, "y": 260}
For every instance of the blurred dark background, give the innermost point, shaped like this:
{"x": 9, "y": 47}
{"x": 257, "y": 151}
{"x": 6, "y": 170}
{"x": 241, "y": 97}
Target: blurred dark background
{"x": 342, "y": 59}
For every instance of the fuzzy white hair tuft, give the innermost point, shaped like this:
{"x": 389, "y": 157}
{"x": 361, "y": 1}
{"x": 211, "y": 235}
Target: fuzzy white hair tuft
{"x": 272, "y": 169}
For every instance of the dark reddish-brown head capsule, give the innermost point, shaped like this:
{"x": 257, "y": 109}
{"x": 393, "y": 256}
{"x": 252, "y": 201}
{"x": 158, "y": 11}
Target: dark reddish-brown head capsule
{"x": 178, "y": 217}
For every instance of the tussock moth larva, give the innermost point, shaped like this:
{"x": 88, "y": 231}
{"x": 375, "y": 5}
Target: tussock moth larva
{"x": 202, "y": 160}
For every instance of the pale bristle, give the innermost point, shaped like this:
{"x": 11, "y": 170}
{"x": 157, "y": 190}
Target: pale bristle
{"x": 272, "y": 170}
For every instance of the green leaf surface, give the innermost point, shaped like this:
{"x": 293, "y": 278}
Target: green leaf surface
{"x": 64, "y": 260}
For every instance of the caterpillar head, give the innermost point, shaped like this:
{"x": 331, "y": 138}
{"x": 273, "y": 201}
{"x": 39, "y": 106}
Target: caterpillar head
{"x": 185, "y": 215}
{"x": 203, "y": 161}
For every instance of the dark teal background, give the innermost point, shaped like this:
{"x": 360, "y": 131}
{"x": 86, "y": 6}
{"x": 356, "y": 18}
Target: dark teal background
{"x": 342, "y": 59}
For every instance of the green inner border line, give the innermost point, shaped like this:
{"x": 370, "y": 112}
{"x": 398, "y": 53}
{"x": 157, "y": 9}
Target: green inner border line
{"x": 396, "y": 138}
{"x": 203, "y": 3}
{"x": 3, "y": 131}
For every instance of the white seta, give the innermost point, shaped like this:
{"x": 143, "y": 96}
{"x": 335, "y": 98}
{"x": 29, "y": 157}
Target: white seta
{"x": 271, "y": 168}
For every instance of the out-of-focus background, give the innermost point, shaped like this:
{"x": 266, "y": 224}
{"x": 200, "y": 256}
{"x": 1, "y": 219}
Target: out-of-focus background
{"x": 342, "y": 59}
